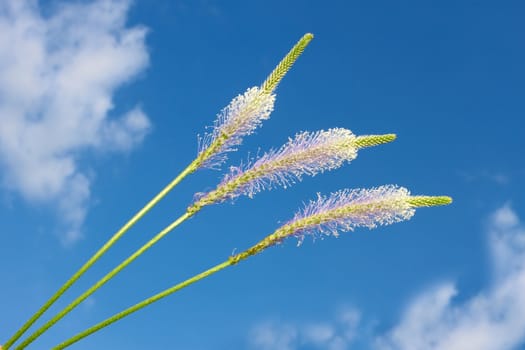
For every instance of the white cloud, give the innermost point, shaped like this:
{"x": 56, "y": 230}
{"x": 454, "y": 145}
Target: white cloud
{"x": 334, "y": 335}
{"x": 58, "y": 74}
{"x": 493, "y": 176}
{"x": 270, "y": 336}
{"x": 494, "y": 319}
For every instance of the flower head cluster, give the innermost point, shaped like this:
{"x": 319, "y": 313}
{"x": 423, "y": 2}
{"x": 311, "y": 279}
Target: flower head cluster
{"x": 245, "y": 113}
{"x": 345, "y": 210}
{"x": 307, "y": 153}
{"x": 240, "y": 118}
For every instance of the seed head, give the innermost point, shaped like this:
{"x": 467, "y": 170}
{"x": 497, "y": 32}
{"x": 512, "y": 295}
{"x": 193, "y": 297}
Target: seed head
{"x": 240, "y": 118}
{"x": 245, "y": 113}
{"x": 345, "y": 210}
{"x": 306, "y": 154}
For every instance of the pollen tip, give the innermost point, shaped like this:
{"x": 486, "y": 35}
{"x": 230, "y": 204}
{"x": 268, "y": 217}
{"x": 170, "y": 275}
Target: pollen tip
{"x": 374, "y": 140}
{"x": 429, "y": 201}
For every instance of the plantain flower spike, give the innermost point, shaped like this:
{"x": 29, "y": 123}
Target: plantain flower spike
{"x": 341, "y": 211}
{"x": 245, "y": 113}
{"x": 308, "y": 153}
{"x": 345, "y": 210}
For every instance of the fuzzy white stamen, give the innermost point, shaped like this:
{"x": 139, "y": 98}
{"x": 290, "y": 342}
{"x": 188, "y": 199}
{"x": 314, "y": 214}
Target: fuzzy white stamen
{"x": 240, "y": 118}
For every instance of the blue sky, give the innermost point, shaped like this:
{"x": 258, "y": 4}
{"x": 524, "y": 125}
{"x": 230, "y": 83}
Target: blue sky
{"x": 101, "y": 103}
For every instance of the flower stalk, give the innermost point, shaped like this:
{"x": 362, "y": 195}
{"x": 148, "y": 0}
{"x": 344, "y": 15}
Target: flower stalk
{"x": 343, "y": 210}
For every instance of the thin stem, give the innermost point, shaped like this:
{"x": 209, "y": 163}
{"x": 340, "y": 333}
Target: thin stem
{"x": 103, "y": 281}
{"x": 189, "y": 169}
{"x": 142, "y": 304}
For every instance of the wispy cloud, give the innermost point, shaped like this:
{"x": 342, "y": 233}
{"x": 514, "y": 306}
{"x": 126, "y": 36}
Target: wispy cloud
{"x": 58, "y": 74}
{"x": 336, "y": 334}
{"x": 494, "y": 319}
{"x": 495, "y": 177}
{"x": 274, "y": 336}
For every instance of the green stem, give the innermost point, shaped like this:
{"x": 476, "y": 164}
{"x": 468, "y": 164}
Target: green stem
{"x": 103, "y": 281}
{"x": 189, "y": 169}
{"x": 142, "y": 304}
